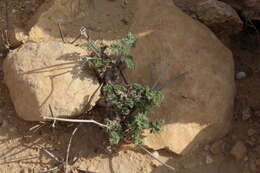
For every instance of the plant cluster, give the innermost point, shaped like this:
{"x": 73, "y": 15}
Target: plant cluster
{"x": 102, "y": 62}
{"x": 129, "y": 104}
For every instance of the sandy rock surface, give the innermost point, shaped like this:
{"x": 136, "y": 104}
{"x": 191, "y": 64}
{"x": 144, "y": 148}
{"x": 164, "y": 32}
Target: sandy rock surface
{"x": 198, "y": 107}
{"x": 40, "y": 75}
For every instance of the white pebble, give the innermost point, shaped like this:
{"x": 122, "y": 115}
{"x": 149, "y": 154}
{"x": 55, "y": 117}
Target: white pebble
{"x": 155, "y": 154}
{"x": 3, "y": 123}
{"x": 240, "y": 75}
{"x": 209, "y": 160}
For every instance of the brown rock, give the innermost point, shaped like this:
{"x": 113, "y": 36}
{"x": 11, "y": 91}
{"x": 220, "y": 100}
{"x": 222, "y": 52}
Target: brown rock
{"x": 216, "y": 147}
{"x": 251, "y": 161}
{"x": 251, "y": 132}
{"x": 253, "y": 140}
{"x": 257, "y": 149}
{"x": 188, "y": 6}
{"x": 257, "y": 113}
{"x": 252, "y": 166}
{"x": 239, "y": 150}
{"x": 198, "y": 107}
{"x": 246, "y": 114}
{"x": 39, "y": 75}
{"x": 250, "y": 142}
{"x": 102, "y": 18}
{"x": 249, "y": 8}
{"x": 257, "y": 162}
{"x": 218, "y": 16}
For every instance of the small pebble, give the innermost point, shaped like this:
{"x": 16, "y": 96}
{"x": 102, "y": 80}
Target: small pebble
{"x": 156, "y": 154}
{"x": 216, "y": 147}
{"x": 257, "y": 162}
{"x": 1, "y": 54}
{"x": 252, "y": 161}
{"x": 209, "y": 159}
{"x": 251, "y": 132}
{"x": 252, "y": 166}
{"x": 246, "y": 159}
{"x": 251, "y": 143}
{"x": 246, "y": 114}
{"x": 240, "y": 75}
{"x": 253, "y": 139}
{"x": 257, "y": 149}
{"x": 257, "y": 113}
{"x": 3, "y": 123}
{"x": 239, "y": 150}
{"x": 207, "y": 148}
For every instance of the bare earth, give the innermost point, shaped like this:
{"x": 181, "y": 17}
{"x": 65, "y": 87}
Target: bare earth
{"x": 22, "y": 150}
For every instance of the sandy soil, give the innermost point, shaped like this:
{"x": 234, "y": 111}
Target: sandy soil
{"x": 22, "y": 150}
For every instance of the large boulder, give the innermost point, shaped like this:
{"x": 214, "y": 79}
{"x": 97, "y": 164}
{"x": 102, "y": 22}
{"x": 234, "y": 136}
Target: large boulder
{"x": 49, "y": 74}
{"x": 103, "y": 19}
{"x": 218, "y": 16}
{"x": 250, "y": 9}
{"x": 197, "y": 108}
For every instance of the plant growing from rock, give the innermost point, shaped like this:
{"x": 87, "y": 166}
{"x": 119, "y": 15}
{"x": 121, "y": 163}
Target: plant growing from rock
{"x": 127, "y": 104}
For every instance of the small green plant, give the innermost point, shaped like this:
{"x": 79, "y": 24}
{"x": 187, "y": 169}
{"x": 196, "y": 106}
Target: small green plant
{"x": 119, "y": 53}
{"x": 129, "y": 104}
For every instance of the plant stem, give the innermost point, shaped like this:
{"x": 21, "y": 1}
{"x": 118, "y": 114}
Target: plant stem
{"x": 77, "y": 121}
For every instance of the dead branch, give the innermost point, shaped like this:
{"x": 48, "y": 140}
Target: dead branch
{"x": 77, "y": 121}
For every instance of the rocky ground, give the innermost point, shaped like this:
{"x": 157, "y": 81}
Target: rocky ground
{"x": 22, "y": 150}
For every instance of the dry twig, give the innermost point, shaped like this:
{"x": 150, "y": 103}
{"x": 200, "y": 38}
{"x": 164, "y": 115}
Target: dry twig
{"x": 69, "y": 146}
{"x": 77, "y": 121}
{"x": 61, "y": 162}
{"x": 52, "y": 155}
{"x": 61, "y": 33}
{"x": 54, "y": 122}
{"x": 160, "y": 87}
{"x": 37, "y": 127}
{"x": 52, "y": 169}
{"x": 165, "y": 164}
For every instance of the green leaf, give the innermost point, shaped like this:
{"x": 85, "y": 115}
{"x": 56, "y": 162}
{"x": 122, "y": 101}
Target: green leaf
{"x": 116, "y": 134}
{"x": 136, "y": 137}
{"x": 136, "y": 87}
{"x": 129, "y": 40}
{"x": 124, "y": 45}
{"x": 114, "y": 137}
{"x": 112, "y": 98}
{"x": 129, "y": 62}
{"x": 107, "y": 88}
{"x": 140, "y": 121}
{"x": 119, "y": 89}
{"x": 91, "y": 45}
{"x": 156, "y": 126}
{"x": 154, "y": 97}
{"x": 125, "y": 111}
{"x": 130, "y": 103}
{"x": 99, "y": 63}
